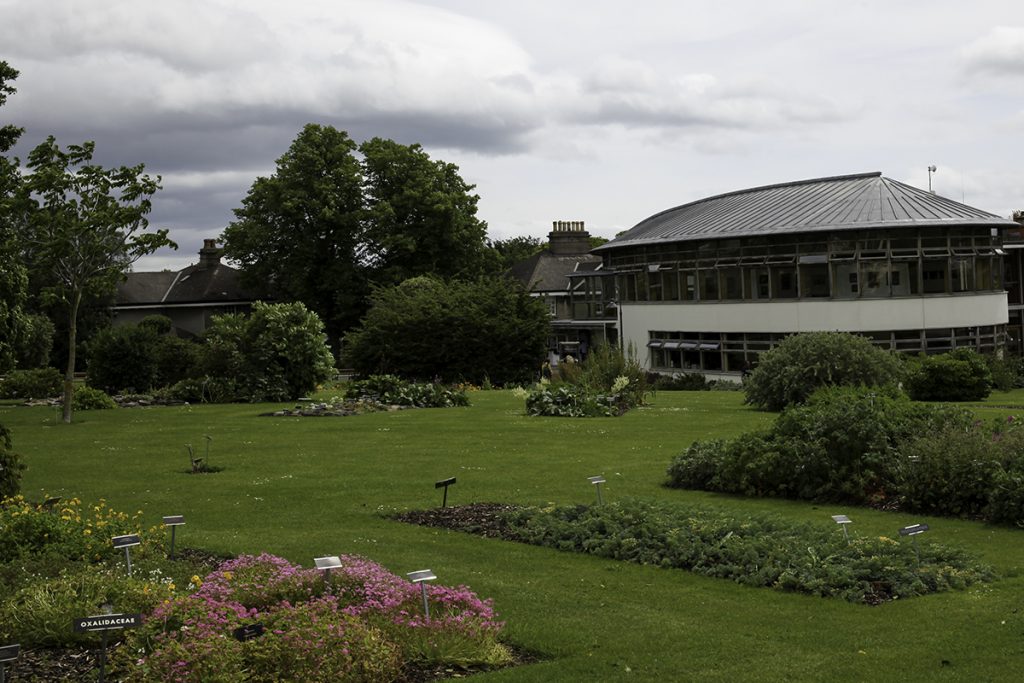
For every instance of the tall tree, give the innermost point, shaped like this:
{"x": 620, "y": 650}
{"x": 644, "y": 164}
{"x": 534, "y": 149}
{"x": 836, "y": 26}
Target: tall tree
{"x": 421, "y": 215}
{"x": 299, "y": 233}
{"x": 13, "y": 275}
{"x": 335, "y": 220}
{"x": 86, "y": 225}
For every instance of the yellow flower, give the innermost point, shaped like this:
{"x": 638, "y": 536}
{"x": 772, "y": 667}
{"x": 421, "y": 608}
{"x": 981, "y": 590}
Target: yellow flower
{"x": 87, "y": 532}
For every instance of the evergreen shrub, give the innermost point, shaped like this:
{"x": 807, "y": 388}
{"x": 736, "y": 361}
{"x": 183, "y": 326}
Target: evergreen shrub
{"x": 35, "y": 383}
{"x": 960, "y": 375}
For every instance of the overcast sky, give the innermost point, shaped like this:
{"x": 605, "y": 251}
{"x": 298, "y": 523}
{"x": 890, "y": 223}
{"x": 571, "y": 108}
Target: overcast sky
{"x": 600, "y": 111}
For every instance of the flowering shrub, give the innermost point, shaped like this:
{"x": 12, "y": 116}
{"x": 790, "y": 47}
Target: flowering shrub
{"x": 757, "y": 551}
{"x": 361, "y": 626}
{"x": 75, "y": 531}
{"x": 606, "y": 384}
{"x": 392, "y": 390}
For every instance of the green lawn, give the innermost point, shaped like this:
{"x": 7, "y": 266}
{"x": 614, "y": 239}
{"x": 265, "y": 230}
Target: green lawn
{"x": 309, "y": 487}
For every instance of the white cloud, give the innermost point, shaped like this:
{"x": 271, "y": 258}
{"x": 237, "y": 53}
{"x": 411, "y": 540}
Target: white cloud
{"x": 999, "y": 52}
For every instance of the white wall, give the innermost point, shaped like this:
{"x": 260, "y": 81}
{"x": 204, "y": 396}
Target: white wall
{"x": 868, "y": 315}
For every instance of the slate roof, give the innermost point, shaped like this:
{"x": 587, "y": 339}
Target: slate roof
{"x": 850, "y": 202}
{"x": 195, "y": 284}
{"x": 545, "y": 272}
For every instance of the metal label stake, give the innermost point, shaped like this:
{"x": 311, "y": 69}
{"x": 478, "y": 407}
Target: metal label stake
{"x": 445, "y": 483}
{"x": 421, "y": 577}
{"x": 597, "y": 481}
{"x": 173, "y": 521}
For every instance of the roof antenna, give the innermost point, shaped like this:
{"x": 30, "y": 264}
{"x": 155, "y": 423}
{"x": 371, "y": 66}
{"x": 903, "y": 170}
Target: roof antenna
{"x": 931, "y": 169}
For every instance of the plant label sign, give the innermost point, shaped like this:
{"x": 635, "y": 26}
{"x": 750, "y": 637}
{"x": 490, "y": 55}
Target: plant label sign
{"x": 174, "y": 520}
{"x": 913, "y": 530}
{"x": 125, "y": 541}
{"x": 248, "y": 632}
{"x": 107, "y": 622}
{"x": 445, "y": 483}
{"x": 9, "y": 653}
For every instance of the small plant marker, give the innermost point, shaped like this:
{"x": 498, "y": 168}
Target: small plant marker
{"x": 103, "y": 623}
{"x": 126, "y": 542}
{"x": 843, "y": 520}
{"x": 173, "y": 521}
{"x": 913, "y": 530}
{"x": 445, "y": 483}
{"x": 421, "y": 577}
{"x": 597, "y": 481}
{"x": 327, "y": 564}
{"x": 8, "y": 653}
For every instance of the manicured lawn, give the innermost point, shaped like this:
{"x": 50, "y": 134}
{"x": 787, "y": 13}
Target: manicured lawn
{"x": 309, "y": 487}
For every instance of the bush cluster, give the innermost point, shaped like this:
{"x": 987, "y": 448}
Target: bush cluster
{"x": 363, "y": 626}
{"x": 960, "y": 375}
{"x": 789, "y": 373}
{"x": 759, "y": 550}
{"x": 34, "y": 383}
{"x": 11, "y": 466}
{"x": 842, "y": 445}
{"x": 90, "y": 398}
{"x": 395, "y": 391}
{"x": 607, "y": 383}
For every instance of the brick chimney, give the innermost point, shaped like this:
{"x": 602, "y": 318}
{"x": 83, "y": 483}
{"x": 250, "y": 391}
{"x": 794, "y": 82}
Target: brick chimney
{"x": 209, "y": 255}
{"x": 569, "y": 238}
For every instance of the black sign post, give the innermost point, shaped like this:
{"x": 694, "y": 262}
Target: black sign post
{"x": 248, "y": 632}
{"x": 173, "y": 521}
{"x": 104, "y": 623}
{"x": 913, "y": 531}
{"x": 597, "y": 481}
{"x": 126, "y": 542}
{"x": 8, "y": 653}
{"x": 445, "y": 483}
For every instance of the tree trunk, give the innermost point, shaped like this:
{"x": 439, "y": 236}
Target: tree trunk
{"x": 69, "y": 374}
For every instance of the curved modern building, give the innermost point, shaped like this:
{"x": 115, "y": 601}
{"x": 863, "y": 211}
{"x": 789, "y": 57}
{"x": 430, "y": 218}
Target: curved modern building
{"x": 707, "y": 286}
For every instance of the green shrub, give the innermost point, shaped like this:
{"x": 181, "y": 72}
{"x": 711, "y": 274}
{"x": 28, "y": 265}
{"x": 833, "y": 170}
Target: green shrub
{"x": 89, "y": 398}
{"x": 759, "y": 550}
{"x": 608, "y": 370}
{"x": 121, "y": 358}
{"x": 159, "y": 324}
{"x": 40, "y": 614}
{"x": 35, "y": 383}
{"x": 960, "y": 375}
{"x": 684, "y": 381}
{"x": 11, "y": 466}
{"x": 392, "y": 390}
{"x": 1007, "y": 371}
{"x": 841, "y": 445}
{"x": 1006, "y": 498}
{"x": 569, "y": 400}
{"x": 789, "y": 373}
{"x": 37, "y": 342}
{"x": 176, "y": 359}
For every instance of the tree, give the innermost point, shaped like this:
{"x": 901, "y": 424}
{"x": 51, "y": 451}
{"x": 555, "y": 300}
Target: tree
{"x": 335, "y": 220}
{"x": 420, "y": 215}
{"x": 13, "y": 274}
{"x": 515, "y": 249}
{"x": 278, "y": 352}
{"x": 85, "y": 226}
{"x": 299, "y": 233}
{"x": 801, "y": 363}
{"x": 485, "y": 329}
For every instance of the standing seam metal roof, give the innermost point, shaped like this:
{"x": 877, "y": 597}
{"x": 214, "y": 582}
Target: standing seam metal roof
{"x": 866, "y": 200}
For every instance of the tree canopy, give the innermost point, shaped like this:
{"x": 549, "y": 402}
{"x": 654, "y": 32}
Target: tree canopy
{"x": 336, "y": 219}
{"x": 84, "y": 227}
{"x": 488, "y": 329}
{"x": 13, "y": 274}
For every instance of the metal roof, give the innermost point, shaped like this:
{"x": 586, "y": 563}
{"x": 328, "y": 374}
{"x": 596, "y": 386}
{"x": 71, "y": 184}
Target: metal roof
{"x": 866, "y": 200}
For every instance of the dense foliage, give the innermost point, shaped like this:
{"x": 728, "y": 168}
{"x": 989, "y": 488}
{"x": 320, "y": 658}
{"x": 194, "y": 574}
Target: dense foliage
{"x": 26, "y": 384}
{"x": 11, "y": 465}
{"x": 758, "y": 550}
{"x": 489, "y": 329}
{"x": 365, "y": 625}
{"x": 13, "y": 274}
{"x": 122, "y": 358}
{"x": 335, "y": 220}
{"x": 960, "y": 375}
{"x": 842, "y": 445}
{"x": 91, "y": 398}
{"x": 276, "y": 353}
{"x": 607, "y": 383}
{"x": 395, "y": 391}
{"x": 789, "y": 373}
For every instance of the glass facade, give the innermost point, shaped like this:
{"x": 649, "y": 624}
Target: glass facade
{"x": 840, "y": 265}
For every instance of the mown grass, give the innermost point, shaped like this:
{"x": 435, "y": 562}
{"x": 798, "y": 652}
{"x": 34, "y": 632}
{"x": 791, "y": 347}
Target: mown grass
{"x": 308, "y": 487}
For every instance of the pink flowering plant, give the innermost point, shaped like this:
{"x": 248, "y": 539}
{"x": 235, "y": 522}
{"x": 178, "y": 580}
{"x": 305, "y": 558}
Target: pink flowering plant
{"x": 365, "y": 624}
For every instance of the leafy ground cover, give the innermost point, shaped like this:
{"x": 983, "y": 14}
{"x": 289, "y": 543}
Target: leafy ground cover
{"x": 301, "y": 488}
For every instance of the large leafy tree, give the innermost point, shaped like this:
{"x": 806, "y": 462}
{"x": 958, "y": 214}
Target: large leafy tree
{"x": 335, "y": 219}
{"x": 299, "y": 233}
{"x": 13, "y": 275}
{"x": 484, "y": 329}
{"x": 85, "y": 226}
{"x": 420, "y": 215}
